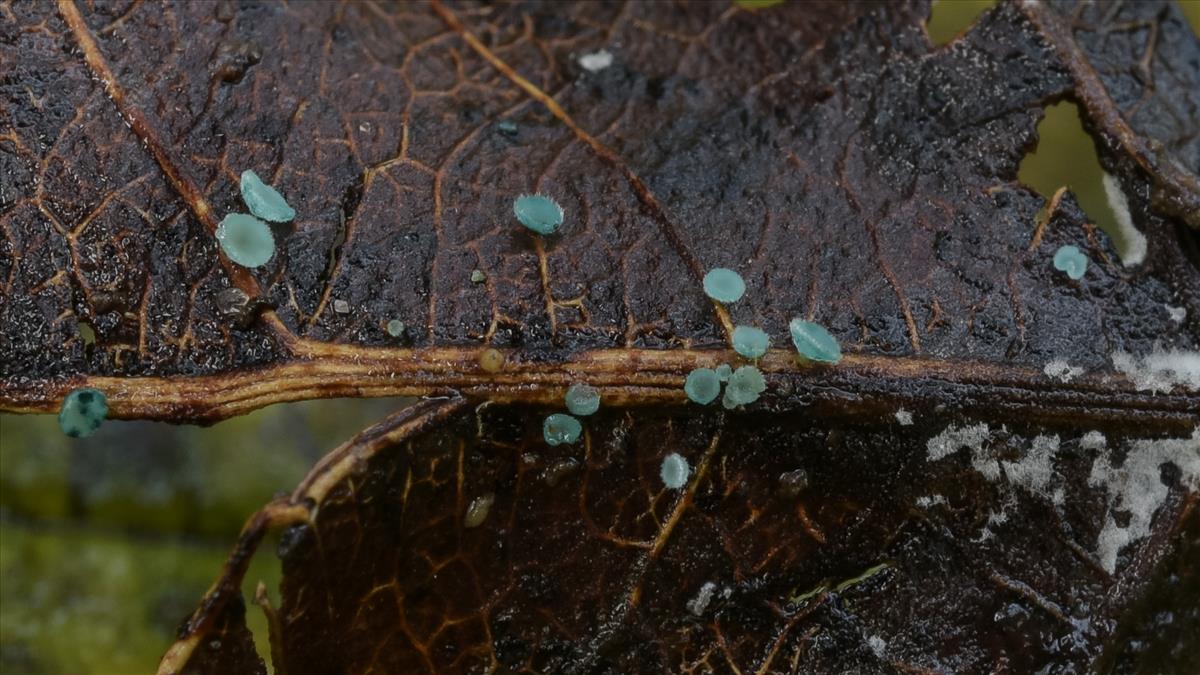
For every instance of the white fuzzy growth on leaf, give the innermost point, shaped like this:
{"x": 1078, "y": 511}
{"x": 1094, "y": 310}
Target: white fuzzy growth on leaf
{"x": 1133, "y": 244}
{"x": 1137, "y": 487}
{"x": 1160, "y": 371}
{"x": 596, "y": 61}
{"x": 1061, "y": 370}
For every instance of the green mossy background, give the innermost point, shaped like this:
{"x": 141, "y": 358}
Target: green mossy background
{"x": 107, "y": 543}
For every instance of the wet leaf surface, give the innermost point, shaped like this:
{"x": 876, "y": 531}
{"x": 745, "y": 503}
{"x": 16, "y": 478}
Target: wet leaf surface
{"x": 854, "y": 174}
{"x": 800, "y": 544}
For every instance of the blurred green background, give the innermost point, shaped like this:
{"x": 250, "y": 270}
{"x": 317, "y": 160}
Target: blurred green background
{"x": 107, "y": 543}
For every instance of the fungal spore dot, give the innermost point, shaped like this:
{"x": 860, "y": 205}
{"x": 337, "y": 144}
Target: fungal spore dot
{"x": 724, "y": 285}
{"x": 82, "y": 412}
{"x": 560, "y": 428}
{"x": 263, "y": 200}
{"x": 702, "y": 385}
{"x": 744, "y": 387}
{"x": 1071, "y": 260}
{"x": 814, "y": 342}
{"x": 538, "y": 213}
{"x": 750, "y": 342}
{"x": 245, "y": 240}
{"x": 675, "y": 471}
{"x": 582, "y": 399}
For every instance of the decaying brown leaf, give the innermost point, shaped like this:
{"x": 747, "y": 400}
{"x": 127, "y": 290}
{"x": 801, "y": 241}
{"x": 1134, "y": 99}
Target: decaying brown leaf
{"x": 851, "y": 171}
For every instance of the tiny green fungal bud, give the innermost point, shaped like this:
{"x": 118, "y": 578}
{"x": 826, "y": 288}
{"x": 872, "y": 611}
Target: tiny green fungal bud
{"x": 723, "y": 372}
{"x": 750, "y": 342}
{"x": 702, "y": 385}
{"x": 724, "y": 285}
{"x": 538, "y": 213}
{"x": 814, "y": 342}
{"x": 744, "y": 387}
{"x": 245, "y": 240}
{"x": 478, "y": 510}
{"x": 1071, "y": 260}
{"x": 395, "y": 328}
{"x": 478, "y": 277}
{"x": 491, "y": 360}
{"x": 582, "y": 399}
{"x": 263, "y": 200}
{"x": 82, "y": 412}
{"x": 559, "y": 428}
{"x": 507, "y": 127}
{"x": 675, "y": 471}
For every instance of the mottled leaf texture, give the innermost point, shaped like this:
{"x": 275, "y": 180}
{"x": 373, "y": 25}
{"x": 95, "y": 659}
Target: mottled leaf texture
{"x": 802, "y": 543}
{"x": 853, "y": 173}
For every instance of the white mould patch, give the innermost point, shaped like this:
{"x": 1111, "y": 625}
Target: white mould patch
{"x": 1177, "y": 314}
{"x": 1093, "y": 440}
{"x": 594, "y": 62}
{"x": 1133, "y": 248}
{"x": 904, "y": 417}
{"x": 931, "y": 500}
{"x": 955, "y": 438}
{"x": 1136, "y": 487}
{"x": 1034, "y": 471}
{"x": 1061, "y": 370}
{"x": 1160, "y": 371}
{"x": 698, "y": 604}
{"x": 878, "y": 646}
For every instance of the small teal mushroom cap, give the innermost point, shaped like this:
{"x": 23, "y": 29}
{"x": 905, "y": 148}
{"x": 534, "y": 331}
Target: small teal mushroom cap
{"x": 538, "y": 213}
{"x": 723, "y": 372}
{"x": 724, "y": 285}
{"x": 750, "y": 342}
{"x": 82, "y": 412}
{"x": 263, "y": 200}
{"x": 560, "y": 428}
{"x": 395, "y": 327}
{"x": 702, "y": 385}
{"x": 1071, "y": 260}
{"x": 674, "y": 471}
{"x": 582, "y": 399}
{"x": 744, "y": 387}
{"x": 814, "y": 342}
{"x": 245, "y": 240}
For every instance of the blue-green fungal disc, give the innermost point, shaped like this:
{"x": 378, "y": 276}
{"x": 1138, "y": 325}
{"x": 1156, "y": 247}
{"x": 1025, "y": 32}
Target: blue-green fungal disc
{"x": 395, "y": 328}
{"x": 263, "y": 200}
{"x": 723, "y": 372}
{"x": 675, "y": 471}
{"x": 582, "y": 399}
{"x": 559, "y": 428}
{"x": 814, "y": 342}
{"x": 246, "y": 240}
{"x": 724, "y": 285}
{"x": 1071, "y": 260}
{"x": 702, "y": 385}
{"x": 82, "y": 412}
{"x": 750, "y": 342}
{"x": 744, "y": 386}
{"x": 539, "y": 213}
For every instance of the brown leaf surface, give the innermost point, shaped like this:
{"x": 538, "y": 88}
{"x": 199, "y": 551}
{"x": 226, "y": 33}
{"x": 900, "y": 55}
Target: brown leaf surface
{"x": 879, "y": 559}
{"x": 851, "y": 171}
{"x": 853, "y": 174}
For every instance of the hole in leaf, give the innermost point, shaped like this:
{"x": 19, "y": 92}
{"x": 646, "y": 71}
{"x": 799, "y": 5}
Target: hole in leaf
{"x": 87, "y": 334}
{"x": 1066, "y": 155}
{"x": 950, "y": 18}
